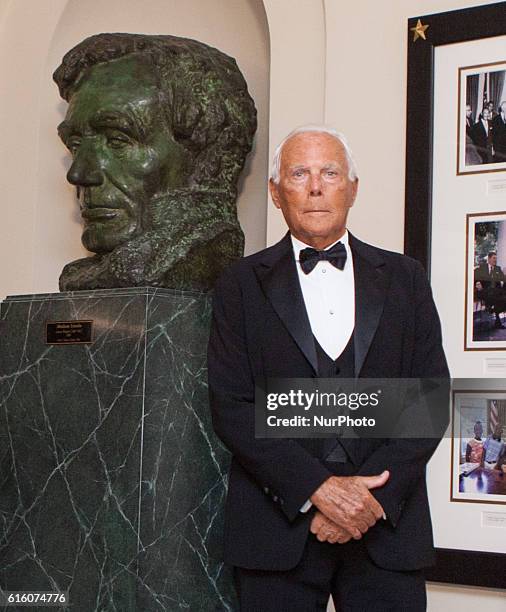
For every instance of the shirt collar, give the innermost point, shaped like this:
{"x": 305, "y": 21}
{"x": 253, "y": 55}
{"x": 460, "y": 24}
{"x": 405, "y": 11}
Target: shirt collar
{"x": 298, "y": 245}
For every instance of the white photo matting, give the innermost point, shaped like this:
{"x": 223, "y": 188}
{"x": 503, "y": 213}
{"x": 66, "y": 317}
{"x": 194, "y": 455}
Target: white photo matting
{"x": 463, "y": 526}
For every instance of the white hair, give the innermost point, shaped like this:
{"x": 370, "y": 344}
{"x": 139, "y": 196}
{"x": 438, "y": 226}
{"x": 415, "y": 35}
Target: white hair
{"x": 317, "y": 129}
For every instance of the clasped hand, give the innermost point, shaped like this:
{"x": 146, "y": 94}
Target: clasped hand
{"x": 346, "y": 508}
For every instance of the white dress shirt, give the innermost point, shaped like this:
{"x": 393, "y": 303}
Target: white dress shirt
{"x": 329, "y": 296}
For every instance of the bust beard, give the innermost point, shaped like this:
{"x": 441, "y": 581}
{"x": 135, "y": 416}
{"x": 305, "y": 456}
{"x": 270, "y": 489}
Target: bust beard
{"x": 191, "y": 235}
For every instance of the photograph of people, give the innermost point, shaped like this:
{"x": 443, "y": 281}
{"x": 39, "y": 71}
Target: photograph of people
{"x": 479, "y": 447}
{"x": 488, "y": 299}
{"x": 482, "y": 118}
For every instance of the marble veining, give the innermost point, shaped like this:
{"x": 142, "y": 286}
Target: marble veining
{"x": 112, "y": 482}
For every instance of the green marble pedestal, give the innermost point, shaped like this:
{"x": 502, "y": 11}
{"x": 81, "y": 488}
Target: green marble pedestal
{"x": 111, "y": 480}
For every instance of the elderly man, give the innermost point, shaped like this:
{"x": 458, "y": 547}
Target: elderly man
{"x": 308, "y": 518}
{"x": 159, "y": 128}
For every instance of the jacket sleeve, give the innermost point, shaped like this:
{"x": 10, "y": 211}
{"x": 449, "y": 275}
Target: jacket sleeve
{"x": 281, "y": 467}
{"x": 406, "y": 459}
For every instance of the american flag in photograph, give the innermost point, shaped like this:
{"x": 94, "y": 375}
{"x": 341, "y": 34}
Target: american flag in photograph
{"x": 494, "y": 415}
{"x": 485, "y": 89}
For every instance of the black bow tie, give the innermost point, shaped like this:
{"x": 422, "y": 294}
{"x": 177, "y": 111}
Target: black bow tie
{"x": 308, "y": 258}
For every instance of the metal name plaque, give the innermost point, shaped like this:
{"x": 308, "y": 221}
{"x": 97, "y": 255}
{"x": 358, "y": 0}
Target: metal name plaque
{"x": 69, "y": 332}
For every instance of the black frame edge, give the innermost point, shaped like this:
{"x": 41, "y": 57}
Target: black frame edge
{"x": 465, "y": 567}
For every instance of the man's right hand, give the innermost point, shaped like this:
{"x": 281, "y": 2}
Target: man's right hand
{"x": 327, "y": 531}
{"x": 346, "y": 501}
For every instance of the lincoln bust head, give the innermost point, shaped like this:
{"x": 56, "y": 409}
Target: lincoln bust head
{"x": 159, "y": 128}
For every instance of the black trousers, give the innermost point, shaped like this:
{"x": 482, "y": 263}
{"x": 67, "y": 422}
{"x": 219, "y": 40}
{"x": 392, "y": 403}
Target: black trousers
{"x": 343, "y": 571}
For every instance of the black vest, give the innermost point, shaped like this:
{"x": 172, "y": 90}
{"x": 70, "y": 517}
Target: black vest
{"x": 342, "y": 367}
{"x": 329, "y": 449}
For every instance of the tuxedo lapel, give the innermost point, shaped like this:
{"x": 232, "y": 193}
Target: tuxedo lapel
{"x": 371, "y": 281}
{"x": 277, "y": 275}
{"x": 370, "y": 292}
{"x": 278, "y": 278}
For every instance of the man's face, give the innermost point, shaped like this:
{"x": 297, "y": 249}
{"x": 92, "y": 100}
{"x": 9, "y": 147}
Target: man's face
{"x": 492, "y": 260}
{"x": 314, "y": 192}
{"x": 485, "y": 114}
{"x": 123, "y": 153}
{"x": 498, "y": 430}
{"x": 468, "y": 111}
{"x": 478, "y": 430}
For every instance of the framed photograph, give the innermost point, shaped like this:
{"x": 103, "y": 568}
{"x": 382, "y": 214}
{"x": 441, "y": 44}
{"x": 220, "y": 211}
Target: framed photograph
{"x": 485, "y": 320}
{"x": 455, "y": 59}
{"x": 482, "y": 118}
{"x": 478, "y": 447}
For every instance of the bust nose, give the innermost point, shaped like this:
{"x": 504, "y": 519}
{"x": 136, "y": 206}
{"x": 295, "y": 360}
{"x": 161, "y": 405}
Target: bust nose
{"x": 85, "y": 171}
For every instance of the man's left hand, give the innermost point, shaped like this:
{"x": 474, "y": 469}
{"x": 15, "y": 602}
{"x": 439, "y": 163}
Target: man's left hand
{"x": 327, "y": 531}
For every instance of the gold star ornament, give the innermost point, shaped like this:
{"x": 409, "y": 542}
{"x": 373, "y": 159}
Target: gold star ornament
{"x": 419, "y": 31}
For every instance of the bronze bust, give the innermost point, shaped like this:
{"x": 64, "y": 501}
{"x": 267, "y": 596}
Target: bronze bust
{"x": 159, "y": 128}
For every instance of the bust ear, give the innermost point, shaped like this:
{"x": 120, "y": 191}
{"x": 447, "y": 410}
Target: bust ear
{"x": 273, "y": 188}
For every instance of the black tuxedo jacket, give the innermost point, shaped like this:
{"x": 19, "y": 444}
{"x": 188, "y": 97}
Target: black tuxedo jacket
{"x": 487, "y": 279}
{"x": 260, "y": 329}
{"x": 499, "y": 138}
{"x": 482, "y": 139}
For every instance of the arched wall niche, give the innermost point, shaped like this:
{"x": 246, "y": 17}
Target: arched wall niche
{"x": 281, "y": 52}
{"x": 243, "y": 35}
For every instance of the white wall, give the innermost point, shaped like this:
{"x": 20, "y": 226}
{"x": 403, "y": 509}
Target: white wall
{"x": 23, "y": 46}
{"x": 41, "y": 224}
{"x": 297, "y": 77}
